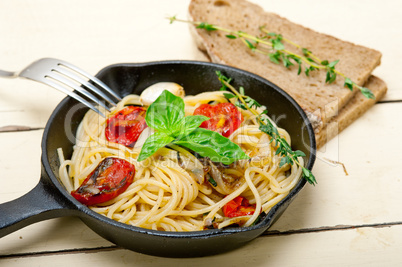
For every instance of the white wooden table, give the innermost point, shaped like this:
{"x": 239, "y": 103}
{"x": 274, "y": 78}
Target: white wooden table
{"x": 353, "y": 220}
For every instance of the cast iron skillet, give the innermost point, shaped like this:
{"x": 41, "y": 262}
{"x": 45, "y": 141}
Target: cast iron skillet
{"x": 49, "y": 199}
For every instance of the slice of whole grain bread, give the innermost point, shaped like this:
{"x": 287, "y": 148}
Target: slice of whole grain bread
{"x": 321, "y": 101}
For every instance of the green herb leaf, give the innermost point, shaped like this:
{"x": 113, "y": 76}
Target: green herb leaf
{"x": 286, "y": 61}
{"x": 331, "y": 76}
{"x": 228, "y": 95}
{"x": 269, "y": 129}
{"x": 308, "y": 175}
{"x": 284, "y": 160}
{"x": 333, "y": 63}
{"x": 367, "y": 93}
{"x": 272, "y": 34}
{"x": 241, "y": 90}
{"x": 166, "y": 113}
{"x": 324, "y": 62}
{"x": 223, "y": 79}
{"x": 153, "y": 143}
{"x": 275, "y": 57}
{"x": 277, "y": 44}
{"x": 311, "y": 60}
{"x": 206, "y": 26}
{"x": 307, "y": 71}
{"x": 251, "y": 102}
{"x": 213, "y": 145}
{"x": 299, "y": 153}
{"x": 212, "y": 181}
{"x": 172, "y": 19}
{"x": 349, "y": 84}
{"x": 265, "y": 125}
{"x": 299, "y": 69}
{"x": 190, "y": 123}
{"x": 231, "y": 36}
{"x": 306, "y": 52}
{"x": 250, "y": 45}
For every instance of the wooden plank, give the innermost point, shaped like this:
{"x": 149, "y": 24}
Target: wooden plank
{"x": 21, "y": 164}
{"x": 353, "y": 247}
{"x": 68, "y": 233}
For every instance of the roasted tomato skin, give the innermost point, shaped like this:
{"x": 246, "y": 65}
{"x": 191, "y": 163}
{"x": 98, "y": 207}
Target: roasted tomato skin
{"x": 109, "y": 179}
{"x": 237, "y": 207}
{"x": 225, "y": 117}
{"x": 126, "y": 125}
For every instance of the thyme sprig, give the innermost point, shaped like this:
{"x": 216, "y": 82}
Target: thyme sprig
{"x": 265, "y": 125}
{"x": 273, "y": 45}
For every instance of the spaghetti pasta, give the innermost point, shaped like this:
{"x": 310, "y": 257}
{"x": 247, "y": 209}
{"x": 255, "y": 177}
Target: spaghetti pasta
{"x": 167, "y": 193}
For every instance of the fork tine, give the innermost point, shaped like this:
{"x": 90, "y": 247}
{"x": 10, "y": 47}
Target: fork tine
{"x": 72, "y": 94}
{"x": 56, "y": 76}
{"x": 92, "y": 78}
{"x": 85, "y": 83}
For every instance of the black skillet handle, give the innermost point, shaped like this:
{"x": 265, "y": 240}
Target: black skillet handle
{"x": 42, "y": 203}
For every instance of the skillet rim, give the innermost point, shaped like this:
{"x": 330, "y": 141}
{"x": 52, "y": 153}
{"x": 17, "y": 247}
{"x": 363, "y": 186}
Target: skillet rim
{"x": 263, "y": 225}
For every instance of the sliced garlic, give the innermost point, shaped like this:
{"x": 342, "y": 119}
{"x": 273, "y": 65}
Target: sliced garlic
{"x": 150, "y": 94}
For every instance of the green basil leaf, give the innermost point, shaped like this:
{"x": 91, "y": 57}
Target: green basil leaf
{"x": 156, "y": 121}
{"x": 189, "y": 124}
{"x": 165, "y": 113}
{"x": 153, "y": 143}
{"x": 213, "y": 145}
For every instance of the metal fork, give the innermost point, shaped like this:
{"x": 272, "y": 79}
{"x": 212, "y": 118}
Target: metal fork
{"x": 64, "y": 76}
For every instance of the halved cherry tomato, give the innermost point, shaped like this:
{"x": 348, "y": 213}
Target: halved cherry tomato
{"x": 239, "y": 206}
{"x": 126, "y": 126}
{"x": 109, "y": 179}
{"x": 225, "y": 117}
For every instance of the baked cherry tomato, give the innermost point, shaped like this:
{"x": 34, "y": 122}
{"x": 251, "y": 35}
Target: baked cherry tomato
{"x": 109, "y": 179}
{"x": 126, "y": 126}
{"x": 239, "y": 206}
{"x": 225, "y": 117}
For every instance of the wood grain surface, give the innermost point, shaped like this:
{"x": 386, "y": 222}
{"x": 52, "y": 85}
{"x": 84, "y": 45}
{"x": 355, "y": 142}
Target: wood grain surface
{"x": 345, "y": 220}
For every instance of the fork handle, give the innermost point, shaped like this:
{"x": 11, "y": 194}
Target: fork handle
{"x": 7, "y": 74}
